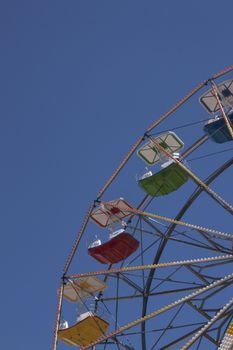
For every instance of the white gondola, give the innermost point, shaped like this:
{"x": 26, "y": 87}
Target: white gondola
{"x": 151, "y": 154}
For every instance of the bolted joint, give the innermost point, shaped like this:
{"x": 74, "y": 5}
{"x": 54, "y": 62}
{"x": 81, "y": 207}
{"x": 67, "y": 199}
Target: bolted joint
{"x": 145, "y": 136}
{"x": 97, "y": 201}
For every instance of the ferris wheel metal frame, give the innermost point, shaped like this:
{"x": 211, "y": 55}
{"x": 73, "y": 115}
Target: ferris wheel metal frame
{"x": 213, "y": 321}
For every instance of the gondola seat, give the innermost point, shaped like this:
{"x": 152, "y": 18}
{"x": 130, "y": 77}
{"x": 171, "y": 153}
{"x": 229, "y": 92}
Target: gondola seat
{"x": 165, "y": 181}
{"x": 217, "y": 130}
{"x": 84, "y": 332}
{"x": 115, "y": 250}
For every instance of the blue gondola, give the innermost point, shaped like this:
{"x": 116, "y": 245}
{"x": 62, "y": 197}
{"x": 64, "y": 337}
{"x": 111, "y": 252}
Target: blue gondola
{"x": 217, "y": 130}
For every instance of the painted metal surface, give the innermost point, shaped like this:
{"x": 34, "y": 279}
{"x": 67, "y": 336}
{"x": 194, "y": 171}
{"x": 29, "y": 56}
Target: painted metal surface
{"x": 217, "y": 130}
{"x": 115, "y": 250}
{"x": 165, "y": 181}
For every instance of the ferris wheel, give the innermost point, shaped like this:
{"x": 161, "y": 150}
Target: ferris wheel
{"x": 151, "y": 267}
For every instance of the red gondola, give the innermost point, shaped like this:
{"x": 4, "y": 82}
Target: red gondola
{"x": 115, "y": 250}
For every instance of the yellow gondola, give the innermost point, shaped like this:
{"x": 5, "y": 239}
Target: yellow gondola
{"x": 85, "y": 331}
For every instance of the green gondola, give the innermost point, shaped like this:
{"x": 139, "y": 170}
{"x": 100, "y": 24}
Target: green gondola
{"x": 165, "y": 181}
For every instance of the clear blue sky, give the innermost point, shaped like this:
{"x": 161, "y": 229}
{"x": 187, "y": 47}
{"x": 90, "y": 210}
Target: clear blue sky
{"x": 80, "y": 81}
